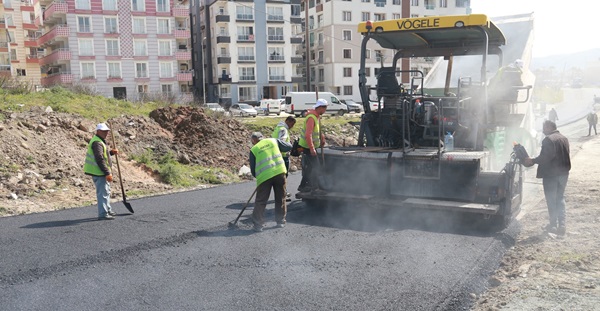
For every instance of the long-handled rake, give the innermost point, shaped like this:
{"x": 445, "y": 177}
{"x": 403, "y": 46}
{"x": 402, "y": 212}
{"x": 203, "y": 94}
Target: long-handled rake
{"x": 233, "y": 224}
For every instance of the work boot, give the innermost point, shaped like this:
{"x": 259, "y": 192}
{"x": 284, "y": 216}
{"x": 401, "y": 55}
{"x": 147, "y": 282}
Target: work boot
{"x": 550, "y": 228}
{"x": 561, "y": 231}
{"x": 280, "y": 225}
{"x": 111, "y": 213}
{"x": 288, "y": 197}
{"x": 257, "y": 228}
{"x": 106, "y": 217}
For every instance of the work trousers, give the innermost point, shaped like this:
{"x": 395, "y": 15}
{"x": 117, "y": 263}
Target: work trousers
{"x": 102, "y": 195}
{"x": 310, "y": 171}
{"x": 590, "y": 130}
{"x": 554, "y": 191}
{"x": 263, "y": 192}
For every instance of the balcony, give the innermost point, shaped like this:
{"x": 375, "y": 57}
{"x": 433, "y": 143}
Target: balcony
{"x": 180, "y": 10}
{"x": 298, "y": 79}
{"x": 183, "y": 54}
{"x": 222, "y": 17}
{"x": 223, "y": 37}
{"x": 182, "y": 33}
{"x": 59, "y": 31}
{"x": 57, "y": 78}
{"x": 296, "y": 40}
{"x": 29, "y": 25}
{"x": 33, "y": 59}
{"x": 275, "y": 38}
{"x": 247, "y": 78}
{"x": 225, "y": 79}
{"x": 276, "y": 78}
{"x": 276, "y": 58}
{"x": 5, "y": 70}
{"x": 2, "y": 22}
{"x": 244, "y": 17}
{"x": 31, "y": 42}
{"x": 224, "y": 59}
{"x": 297, "y": 59}
{"x": 274, "y": 18}
{"x": 296, "y": 20}
{"x": 56, "y": 56}
{"x": 3, "y": 46}
{"x": 245, "y": 38}
{"x": 185, "y": 75}
{"x": 55, "y": 10}
{"x": 246, "y": 58}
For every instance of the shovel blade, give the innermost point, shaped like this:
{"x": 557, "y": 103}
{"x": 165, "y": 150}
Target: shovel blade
{"x": 128, "y": 206}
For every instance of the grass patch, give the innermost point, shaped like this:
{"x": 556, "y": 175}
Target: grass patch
{"x": 329, "y": 123}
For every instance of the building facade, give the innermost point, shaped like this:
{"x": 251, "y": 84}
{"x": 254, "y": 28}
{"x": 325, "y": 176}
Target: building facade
{"x": 259, "y": 49}
{"x": 128, "y": 49}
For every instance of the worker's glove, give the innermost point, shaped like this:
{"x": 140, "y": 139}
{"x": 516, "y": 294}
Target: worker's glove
{"x": 313, "y": 152}
{"x": 114, "y": 151}
{"x": 109, "y": 178}
{"x": 528, "y": 162}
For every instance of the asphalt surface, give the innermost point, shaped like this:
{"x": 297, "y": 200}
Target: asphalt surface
{"x": 177, "y": 253}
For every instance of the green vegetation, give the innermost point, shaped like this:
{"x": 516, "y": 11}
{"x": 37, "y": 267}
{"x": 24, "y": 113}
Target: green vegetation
{"x": 329, "y": 123}
{"x": 179, "y": 175}
{"x": 94, "y": 107}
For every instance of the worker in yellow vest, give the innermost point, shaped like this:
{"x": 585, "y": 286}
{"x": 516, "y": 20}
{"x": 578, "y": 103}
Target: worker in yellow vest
{"x": 266, "y": 164}
{"x": 282, "y": 131}
{"x": 312, "y": 137}
{"x": 98, "y": 165}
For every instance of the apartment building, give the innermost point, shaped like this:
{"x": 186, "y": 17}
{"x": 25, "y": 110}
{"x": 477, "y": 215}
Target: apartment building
{"x": 19, "y": 30}
{"x": 257, "y": 49}
{"x": 127, "y": 49}
{"x": 248, "y": 48}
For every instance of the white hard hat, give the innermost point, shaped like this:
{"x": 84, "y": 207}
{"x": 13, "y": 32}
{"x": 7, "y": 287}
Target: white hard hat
{"x": 321, "y": 103}
{"x": 519, "y": 63}
{"x": 102, "y": 127}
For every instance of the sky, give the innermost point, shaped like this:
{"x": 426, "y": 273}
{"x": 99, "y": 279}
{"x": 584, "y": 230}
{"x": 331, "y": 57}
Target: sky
{"x": 560, "y": 27}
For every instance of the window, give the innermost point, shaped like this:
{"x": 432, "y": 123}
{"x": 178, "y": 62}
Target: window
{"x": 275, "y": 13}
{"x": 166, "y": 89}
{"x": 462, "y": 3}
{"x": 347, "y": 72}
{"x": 163, "y": 26}
{"x": 246, "y": 73}
{"x": 347, "y": 35}
{"x": 366, "y": 16}
{"x": 21, "y": 72}
{"x": 397, "y": 2}
{"x": 396, "y": 16}
{"x": 88, "y": 71}
{"x": 114, "y": 70}
{"x": 365, "y": 1}
{"x": 141, "y": 70}
{"x": 367, "y": 71}
{"x": 379, "y": 16}
{"x": 347, "y": 53}
{"x": 112, "y": 47}
{"x": 368, "y": 54}
{"x": 110, "y": 25}
{"x": 347, "y": 89}
{"x": 246, "y": 53}
{"x": 414, "y": 2}
{"x": 380, "y": 3}
{"x": 138, "y": 5}
{"x": 346, "y": 16}
{"x": 142, "y": 88}
{"x": 86, "y": 47}
{"x": 109, "y": 5}
{"x": 429, "y": 4}
{"x": 84, "y": 24}
{"x": 378, "y": 55}
{"x": 443, "y": 3}
{"x": 321, "y": 76}
{"x": 139, "y": 25}
{"x": 164, "y": 48}
{"x": 82, "y": 4}
{"x": 162, "y": 5}
{"x": 246, "y": 93}
{"x": 275, "y": 33}
{"x": 166, "y": 69}
{"x": 244, "y": 12}
{"x": 140, "y": 48}
{"x": 276, "y": 53}
{"x": 276, "y": 74}
{"x": 245, "y": 33}
{"x": 296, "y": 10}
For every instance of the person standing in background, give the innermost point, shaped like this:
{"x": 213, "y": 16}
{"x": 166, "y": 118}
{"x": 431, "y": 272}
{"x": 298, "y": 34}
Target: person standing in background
{"x": 282, "y": 131}
{"x": 592, "y": 119}
{"x": 311, "y": 137}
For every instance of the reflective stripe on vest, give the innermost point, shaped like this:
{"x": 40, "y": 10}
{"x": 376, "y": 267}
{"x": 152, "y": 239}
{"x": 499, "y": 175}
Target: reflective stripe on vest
{"x": 316, "y": 134}
{"x": 90, "y": 166}
{"x": 269, "y": 162}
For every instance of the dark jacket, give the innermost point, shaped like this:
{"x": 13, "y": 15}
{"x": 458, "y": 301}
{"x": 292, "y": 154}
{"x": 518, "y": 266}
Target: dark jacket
{"x": 554, "y": 158}
{"x": 284, "y": 147}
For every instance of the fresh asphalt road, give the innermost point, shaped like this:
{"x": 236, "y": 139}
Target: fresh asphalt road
{"x": 176, "y": 253}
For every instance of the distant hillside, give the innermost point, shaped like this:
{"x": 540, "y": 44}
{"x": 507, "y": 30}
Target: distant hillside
{"x": 568, "y": 61}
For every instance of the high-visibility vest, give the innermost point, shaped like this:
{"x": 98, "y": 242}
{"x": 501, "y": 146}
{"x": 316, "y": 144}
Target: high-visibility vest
{"x": 286, "y": 138}
{"x": 90, "y": 166}
{"x": 316, "y": 134}
{"x": 269, "y": 161}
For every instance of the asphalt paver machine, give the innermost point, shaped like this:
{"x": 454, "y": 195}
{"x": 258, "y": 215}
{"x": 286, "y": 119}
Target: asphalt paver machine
{"x": 402, "y": 159}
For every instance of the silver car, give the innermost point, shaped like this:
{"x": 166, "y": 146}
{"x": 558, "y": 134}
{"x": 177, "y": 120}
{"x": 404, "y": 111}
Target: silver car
{"x": 243, "y": 110}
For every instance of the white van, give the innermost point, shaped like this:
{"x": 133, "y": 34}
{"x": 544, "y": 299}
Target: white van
{"x": 298, "y": 103}
{"x": 269, "y": 106}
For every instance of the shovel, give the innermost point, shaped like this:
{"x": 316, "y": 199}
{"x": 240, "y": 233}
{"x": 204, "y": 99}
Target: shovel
{"x": 233, "y": 224}
{"x": 127, "y": 205}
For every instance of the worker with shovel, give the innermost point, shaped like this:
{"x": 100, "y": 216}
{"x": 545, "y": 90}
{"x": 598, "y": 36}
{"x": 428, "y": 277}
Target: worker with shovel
{"x": 312, "y": 137}
{"x": 267, "y": 165}
{"x": 98, "y": 165}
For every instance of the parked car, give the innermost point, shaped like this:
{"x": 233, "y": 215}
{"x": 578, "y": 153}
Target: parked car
{"x": 352, "y": 105}
{"x": 282, "y": 104}
{"x": 215, "y": 107}
{"x": 243, "y": 110}
{"x": 375, "y": 105}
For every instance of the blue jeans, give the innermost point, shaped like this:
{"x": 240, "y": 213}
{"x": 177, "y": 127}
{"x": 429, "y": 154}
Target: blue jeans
{"x": 103, "y": 195}
{"x": 554, "y": 191}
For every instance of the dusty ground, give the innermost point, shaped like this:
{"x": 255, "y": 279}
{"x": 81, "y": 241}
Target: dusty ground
{"x": 41, "y": 170}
